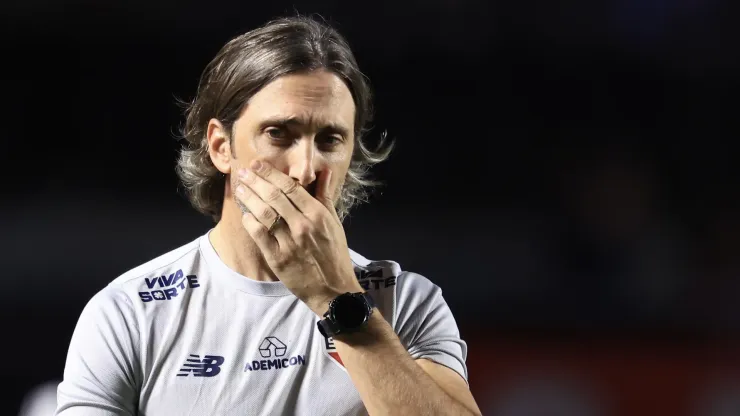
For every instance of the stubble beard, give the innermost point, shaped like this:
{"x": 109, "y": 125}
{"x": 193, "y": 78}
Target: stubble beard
{"x": 234, "y": 183}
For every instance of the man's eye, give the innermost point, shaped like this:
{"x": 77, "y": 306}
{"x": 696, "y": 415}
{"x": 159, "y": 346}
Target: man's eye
{"x": 276, "y": 133}
{"x": 331, "y": 140}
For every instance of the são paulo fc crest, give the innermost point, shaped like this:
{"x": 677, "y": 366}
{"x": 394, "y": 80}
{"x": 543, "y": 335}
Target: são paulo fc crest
{"x": 331, "y": 350}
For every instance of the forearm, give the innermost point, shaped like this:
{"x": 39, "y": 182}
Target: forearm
{"x": 389, "y": 381}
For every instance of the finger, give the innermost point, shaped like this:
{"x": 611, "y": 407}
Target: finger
{"x": 264, "y": 214}
{"x": 323, "y": 189}
{"x": 266, "y": 242}
{"x": 269, "y": 194}
{"x": 272, "y": 196}
{"x": 324, "y": 194}
{"x": 297, "y": 195}
{"x": 256, "y": 206}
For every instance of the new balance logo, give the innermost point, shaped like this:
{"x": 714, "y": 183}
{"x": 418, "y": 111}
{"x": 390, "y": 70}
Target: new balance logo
{"x": 209, "y": 366}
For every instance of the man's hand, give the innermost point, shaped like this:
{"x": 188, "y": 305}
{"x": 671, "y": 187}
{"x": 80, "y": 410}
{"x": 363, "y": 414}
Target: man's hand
{"x": 307, "y": 248}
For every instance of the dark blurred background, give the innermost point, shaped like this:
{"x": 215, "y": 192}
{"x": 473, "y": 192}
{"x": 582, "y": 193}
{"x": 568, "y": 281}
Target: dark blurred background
{"x": 565, "y": 171}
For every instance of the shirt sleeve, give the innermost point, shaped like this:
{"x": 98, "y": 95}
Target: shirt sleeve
{"x": 100, "y": 375}
{"x": 425, "y": 324}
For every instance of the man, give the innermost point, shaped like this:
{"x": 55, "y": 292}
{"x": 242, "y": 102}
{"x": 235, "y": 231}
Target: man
{"x": 270, "y": 313}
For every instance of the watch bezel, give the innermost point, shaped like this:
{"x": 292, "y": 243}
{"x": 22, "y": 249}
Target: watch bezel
{"x": 329, "y": 327}
{"x": 360, "y": 302}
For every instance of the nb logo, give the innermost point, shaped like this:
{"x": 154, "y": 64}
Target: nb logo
{"x": 209, "y": 366}
{"x": 272, "y": 346}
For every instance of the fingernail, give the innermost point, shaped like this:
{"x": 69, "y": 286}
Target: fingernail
{"x": 243, "y": 173}
{"x": 240, "y": 190}
{"x": 256, "y": 165}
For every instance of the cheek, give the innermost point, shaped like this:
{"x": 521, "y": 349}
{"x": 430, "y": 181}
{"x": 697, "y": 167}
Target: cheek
{"x": 257, "y": 147}
{"x": 339, "y": 168}
{"x": 336, "y": 161}
{"x": 339, "y": 160}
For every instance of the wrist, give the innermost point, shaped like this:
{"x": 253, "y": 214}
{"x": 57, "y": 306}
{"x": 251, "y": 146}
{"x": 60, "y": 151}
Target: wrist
{"x": 319, "y": 302}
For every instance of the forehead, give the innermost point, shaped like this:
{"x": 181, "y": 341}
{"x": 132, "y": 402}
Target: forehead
{"x": 317, "y": 98}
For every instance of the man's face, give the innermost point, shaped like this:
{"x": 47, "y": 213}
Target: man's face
{"x": 302, "y": 124}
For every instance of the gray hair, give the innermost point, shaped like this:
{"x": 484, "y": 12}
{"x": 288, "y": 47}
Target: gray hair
{"x": 244, "y": 66}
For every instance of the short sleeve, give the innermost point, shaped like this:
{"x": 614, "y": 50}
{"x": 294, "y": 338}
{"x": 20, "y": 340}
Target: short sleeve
{"x": 425, "y": 324}
{"x": 100, "y": 374}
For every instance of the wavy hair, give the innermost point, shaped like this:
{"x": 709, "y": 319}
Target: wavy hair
{"x": 245, "y": 65}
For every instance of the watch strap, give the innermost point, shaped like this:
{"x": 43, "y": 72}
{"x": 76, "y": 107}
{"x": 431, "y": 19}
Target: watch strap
{"x": 327, "y": 327}
{"x": 369, "y": 300}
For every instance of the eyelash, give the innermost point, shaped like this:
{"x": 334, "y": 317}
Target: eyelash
{"x": 334, "y": 140}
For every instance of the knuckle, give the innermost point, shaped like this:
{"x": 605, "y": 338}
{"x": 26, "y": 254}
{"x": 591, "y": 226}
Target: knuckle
{"x": 280, "y": 262}
{"x": 315, "y": 217}
{"x": 266, "y": 213}
{"x": 273, "y": 194}
{"x": 299, "y": 230}
{"x": 260, "y": 230}
{"x": 253, "y": 225}
{"x": 256, "y": 228}
{"x": 302, "y": 230}
{"x": 290, "y": 187}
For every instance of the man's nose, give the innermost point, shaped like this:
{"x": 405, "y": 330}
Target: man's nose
{"x": 304, "y": 163}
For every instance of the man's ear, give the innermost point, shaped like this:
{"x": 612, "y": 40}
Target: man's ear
{"x": 219, "y": 146}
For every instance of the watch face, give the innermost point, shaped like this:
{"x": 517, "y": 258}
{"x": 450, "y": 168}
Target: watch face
{"x": 349, "y": 311}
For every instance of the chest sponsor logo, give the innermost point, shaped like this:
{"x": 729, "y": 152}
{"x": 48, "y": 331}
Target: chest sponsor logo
{"x": 274, "y": 354}
{"x": 374, "y": 279}
{"x": 164, "y": 288}
{"x": 331, "y": 350}
{"x": 208, "y": 366}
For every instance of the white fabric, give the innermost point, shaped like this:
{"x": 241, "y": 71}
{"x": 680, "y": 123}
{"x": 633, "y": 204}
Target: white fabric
{"x": 40, "y": 401}
{"x": 185, "y": 335}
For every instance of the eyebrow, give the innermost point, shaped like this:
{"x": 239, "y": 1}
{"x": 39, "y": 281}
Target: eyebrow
{"x": 297, "y": 121}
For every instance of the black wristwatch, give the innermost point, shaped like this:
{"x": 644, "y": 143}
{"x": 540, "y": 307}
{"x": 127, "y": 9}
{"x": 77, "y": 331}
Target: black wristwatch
{"x": 347, "y": 313}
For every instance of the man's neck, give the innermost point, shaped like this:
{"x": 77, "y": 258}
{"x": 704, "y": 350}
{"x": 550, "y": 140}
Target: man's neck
{"x": 236, "y": 248}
